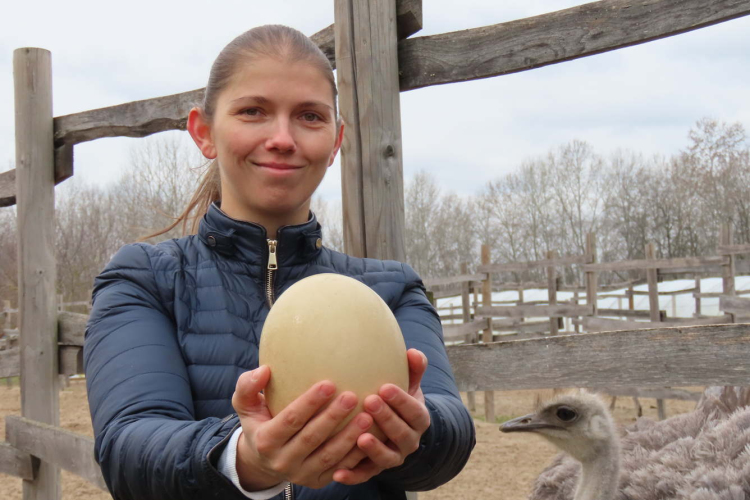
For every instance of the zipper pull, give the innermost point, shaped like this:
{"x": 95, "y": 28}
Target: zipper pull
{"x": 272, "y": 265}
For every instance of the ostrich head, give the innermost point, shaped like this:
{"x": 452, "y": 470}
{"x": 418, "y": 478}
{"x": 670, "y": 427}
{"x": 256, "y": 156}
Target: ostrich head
{"x": 578, "y": 423}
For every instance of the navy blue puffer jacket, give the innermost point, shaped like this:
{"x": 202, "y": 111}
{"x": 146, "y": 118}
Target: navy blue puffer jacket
{"x": 174, "y": 325}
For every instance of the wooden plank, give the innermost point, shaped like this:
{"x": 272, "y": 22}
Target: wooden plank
{"x": 663, "y": 357}
{"x": 71, "y": 328}
{"x": 653, "y": 284}
{"x": 71, "y": 360}
{"x": 536, "y": 327}
{"x": 625, "y": 313}
{"x": 683, "y": 262}
{"x": 8, "y": 188}
{"x": 734, "y": 305}
{"x": 562, "y": 310}
{"x": 552, "y": 290}
{"x": 450, "y": 280}
{"x": 408, "y": 20}
{"x": 564, "y": 35}
{"x": 371, "y": 157}
{"x": 609, "y": 325}
{"x": 16, "y": 463}
{"x": 533, "y": 264}
{"x": 592, "y": 278}
{"x": 654, "y": 393}
{"x": 68, "y": 450}
{"x": 489, "y": 396}
{"x": 733, "y": 249}
{"x": 37, "y": 272}
{"x": 10, "y": 362}
{"x": 459, "y": 332}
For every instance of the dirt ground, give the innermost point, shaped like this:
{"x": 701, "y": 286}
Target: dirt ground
{"x": 503, "y": 466}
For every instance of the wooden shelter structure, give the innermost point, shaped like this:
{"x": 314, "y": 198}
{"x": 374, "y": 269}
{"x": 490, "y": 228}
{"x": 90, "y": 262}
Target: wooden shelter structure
{"x": 371, "y": 46}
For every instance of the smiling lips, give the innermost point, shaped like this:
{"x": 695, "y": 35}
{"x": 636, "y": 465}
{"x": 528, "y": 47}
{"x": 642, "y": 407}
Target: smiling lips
{"x": 279, "y": 166}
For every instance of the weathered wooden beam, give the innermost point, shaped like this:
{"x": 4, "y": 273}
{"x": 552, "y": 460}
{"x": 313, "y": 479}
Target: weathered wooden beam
{"x": 8, "y": 188}
{"x": 663, "y": 357}
{"x": 459, "y": 332}
{"x": 10, "y": 362}
{"x": 534, "y": 264}
{"x": 683, "y": 262}
{"x": 609, "y": 325}
{"x": 430, "y": 282}
{"x": 16, "y": 463}
{"x": 562, "y": 310}
{"x": 564, "y": 35}
{"x": 37, "y": 269}
{"x": 71, "y": 328}
{"x": 733, "y": 249}
{"x": 734, "y": 305}
{"x": 67, "y": 450}
{"x": 625, "y": 313}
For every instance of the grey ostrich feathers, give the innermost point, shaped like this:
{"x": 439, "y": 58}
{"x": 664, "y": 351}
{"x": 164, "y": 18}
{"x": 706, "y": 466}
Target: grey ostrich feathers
{"x": 701, "y": 455}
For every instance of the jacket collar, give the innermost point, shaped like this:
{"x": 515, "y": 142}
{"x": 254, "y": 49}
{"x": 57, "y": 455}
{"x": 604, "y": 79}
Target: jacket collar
{"x": 248, "y": 241}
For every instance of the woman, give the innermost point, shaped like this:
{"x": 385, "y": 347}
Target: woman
{"x": 171, "y": 350}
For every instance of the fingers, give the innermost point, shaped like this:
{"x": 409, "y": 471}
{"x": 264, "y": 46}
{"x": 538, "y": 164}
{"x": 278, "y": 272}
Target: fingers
{"x": 323, "y": 424}
{"x": 363, "y": 472}
{"x": 247, "y": 399}
{"x": 403, "y": 420}
{"x": 417, "y": 366}
{"x": 294, "y": 417}
{"x": 341, "y": 450}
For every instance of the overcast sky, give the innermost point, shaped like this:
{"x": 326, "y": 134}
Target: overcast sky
{"x": 644, "y": 98}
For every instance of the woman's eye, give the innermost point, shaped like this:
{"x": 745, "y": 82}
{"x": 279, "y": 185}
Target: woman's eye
{"x": 310, "y": 117}
{"x": 251, "y": 112}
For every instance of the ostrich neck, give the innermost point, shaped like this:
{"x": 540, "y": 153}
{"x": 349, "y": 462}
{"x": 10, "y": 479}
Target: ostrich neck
{"x": 600, "y": 477}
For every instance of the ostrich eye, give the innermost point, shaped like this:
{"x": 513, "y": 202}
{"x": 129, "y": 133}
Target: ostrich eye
{"x": 566, "y": 414}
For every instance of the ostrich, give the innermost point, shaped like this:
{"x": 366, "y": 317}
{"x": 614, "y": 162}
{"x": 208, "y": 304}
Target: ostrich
{"x": 701, "y": 455}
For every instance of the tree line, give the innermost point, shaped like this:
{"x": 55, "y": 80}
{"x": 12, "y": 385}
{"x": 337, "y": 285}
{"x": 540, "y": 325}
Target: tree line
{"x": 549, "y": 202}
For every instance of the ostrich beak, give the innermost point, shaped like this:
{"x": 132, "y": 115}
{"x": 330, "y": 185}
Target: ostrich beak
{"x": 527, "y": 423}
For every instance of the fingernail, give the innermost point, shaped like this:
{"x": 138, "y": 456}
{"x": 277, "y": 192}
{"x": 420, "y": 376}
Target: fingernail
{"x": 424, "y": 360}
{"x": 255, "y": 375}
{"x": 326, "y": 390}
{"x": 388, "y": 392}
{"x": 348, "y": 401}
{"x": 363, "y": 422}
{"x": 374, "y": 404}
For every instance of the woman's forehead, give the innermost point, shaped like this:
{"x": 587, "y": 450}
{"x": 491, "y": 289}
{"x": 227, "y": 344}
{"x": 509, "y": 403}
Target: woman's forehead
{"x": 268, "y": 79}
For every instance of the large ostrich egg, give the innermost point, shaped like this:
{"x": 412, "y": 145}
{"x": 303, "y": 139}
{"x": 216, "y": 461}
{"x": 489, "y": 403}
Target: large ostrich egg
{"x": 331, "y": 327}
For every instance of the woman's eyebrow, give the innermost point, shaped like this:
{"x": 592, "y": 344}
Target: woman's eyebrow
{"x": 264, "y": 101}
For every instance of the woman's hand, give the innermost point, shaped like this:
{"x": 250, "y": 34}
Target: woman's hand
{"x": 294, "y": 445}
{"x": 402, "y": 416}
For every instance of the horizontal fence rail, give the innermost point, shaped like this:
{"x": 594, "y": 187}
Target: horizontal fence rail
{"x": 656, "y": 358}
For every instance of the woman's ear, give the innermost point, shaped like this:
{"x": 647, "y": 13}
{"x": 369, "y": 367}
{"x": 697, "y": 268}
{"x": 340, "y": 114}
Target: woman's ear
{"x": 337, "y": 146}
{"x": 200, "y": 131}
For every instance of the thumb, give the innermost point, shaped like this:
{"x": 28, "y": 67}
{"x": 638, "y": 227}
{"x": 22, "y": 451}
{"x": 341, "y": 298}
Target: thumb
{"x": 247, "y": 398}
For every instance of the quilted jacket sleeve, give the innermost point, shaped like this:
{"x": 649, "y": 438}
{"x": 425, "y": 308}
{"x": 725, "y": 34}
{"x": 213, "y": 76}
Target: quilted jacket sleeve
{"x": 148, "y": 443}
{"x": 447, "y": 444}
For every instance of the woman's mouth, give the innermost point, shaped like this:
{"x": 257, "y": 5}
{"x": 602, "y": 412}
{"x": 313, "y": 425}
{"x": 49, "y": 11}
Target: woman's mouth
{"x": 279, "y": 166}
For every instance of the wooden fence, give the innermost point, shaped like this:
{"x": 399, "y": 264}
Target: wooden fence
{"x": 365, "y": 35}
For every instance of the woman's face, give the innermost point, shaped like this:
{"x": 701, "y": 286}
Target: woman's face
{"x": 274, "y": 134}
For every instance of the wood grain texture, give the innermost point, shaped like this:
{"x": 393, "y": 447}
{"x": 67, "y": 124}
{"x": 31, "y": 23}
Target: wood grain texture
{"x": 8, "y": 188}
{"x": 564, "y": 35}
{"x": 37, "y": 271}
{"x": 462, "y": 278}
{"x": 561, "y": 310}
{"x": 733, "y": 249}
{"x": 683, "y": 262}
{"x": 609, "y": 325}
{"x": 666, "y": 393}
{"x": 371, "y": 156}
{"x": 16, "y": 463}
{"x": 663, "y": 357}
{"x": 534, "y": 264}
{"x": 68, "y": 450}
{"x": 734, "y": 305}
{"x": 459, "y": 332}
{"x": 71, "y": 328}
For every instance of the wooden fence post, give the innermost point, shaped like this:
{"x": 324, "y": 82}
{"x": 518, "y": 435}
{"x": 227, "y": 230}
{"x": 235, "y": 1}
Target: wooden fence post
{"x": 372, "y": 177}
{"x": 35, "y": 189}
{"x": 489, "y": 396}
{"x": 552, "y": 291}
{"x": 697, "y": 295}
{"x": 727, "y": 270}
{"x": 471, "y": 338}
{"x": 653, "y": 285}
{"x": 592, "y": 280}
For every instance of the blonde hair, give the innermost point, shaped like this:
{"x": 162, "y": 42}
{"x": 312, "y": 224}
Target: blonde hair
{"x": 275, "y": 41}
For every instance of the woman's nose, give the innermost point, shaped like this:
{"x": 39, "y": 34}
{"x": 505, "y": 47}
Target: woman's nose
{"x": 281, "y": 137}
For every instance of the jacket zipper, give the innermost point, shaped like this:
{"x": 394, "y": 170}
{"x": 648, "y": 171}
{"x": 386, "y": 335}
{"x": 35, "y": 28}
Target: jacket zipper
{"x": 271, "y": 269}
{"x": 288, "y": 492}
